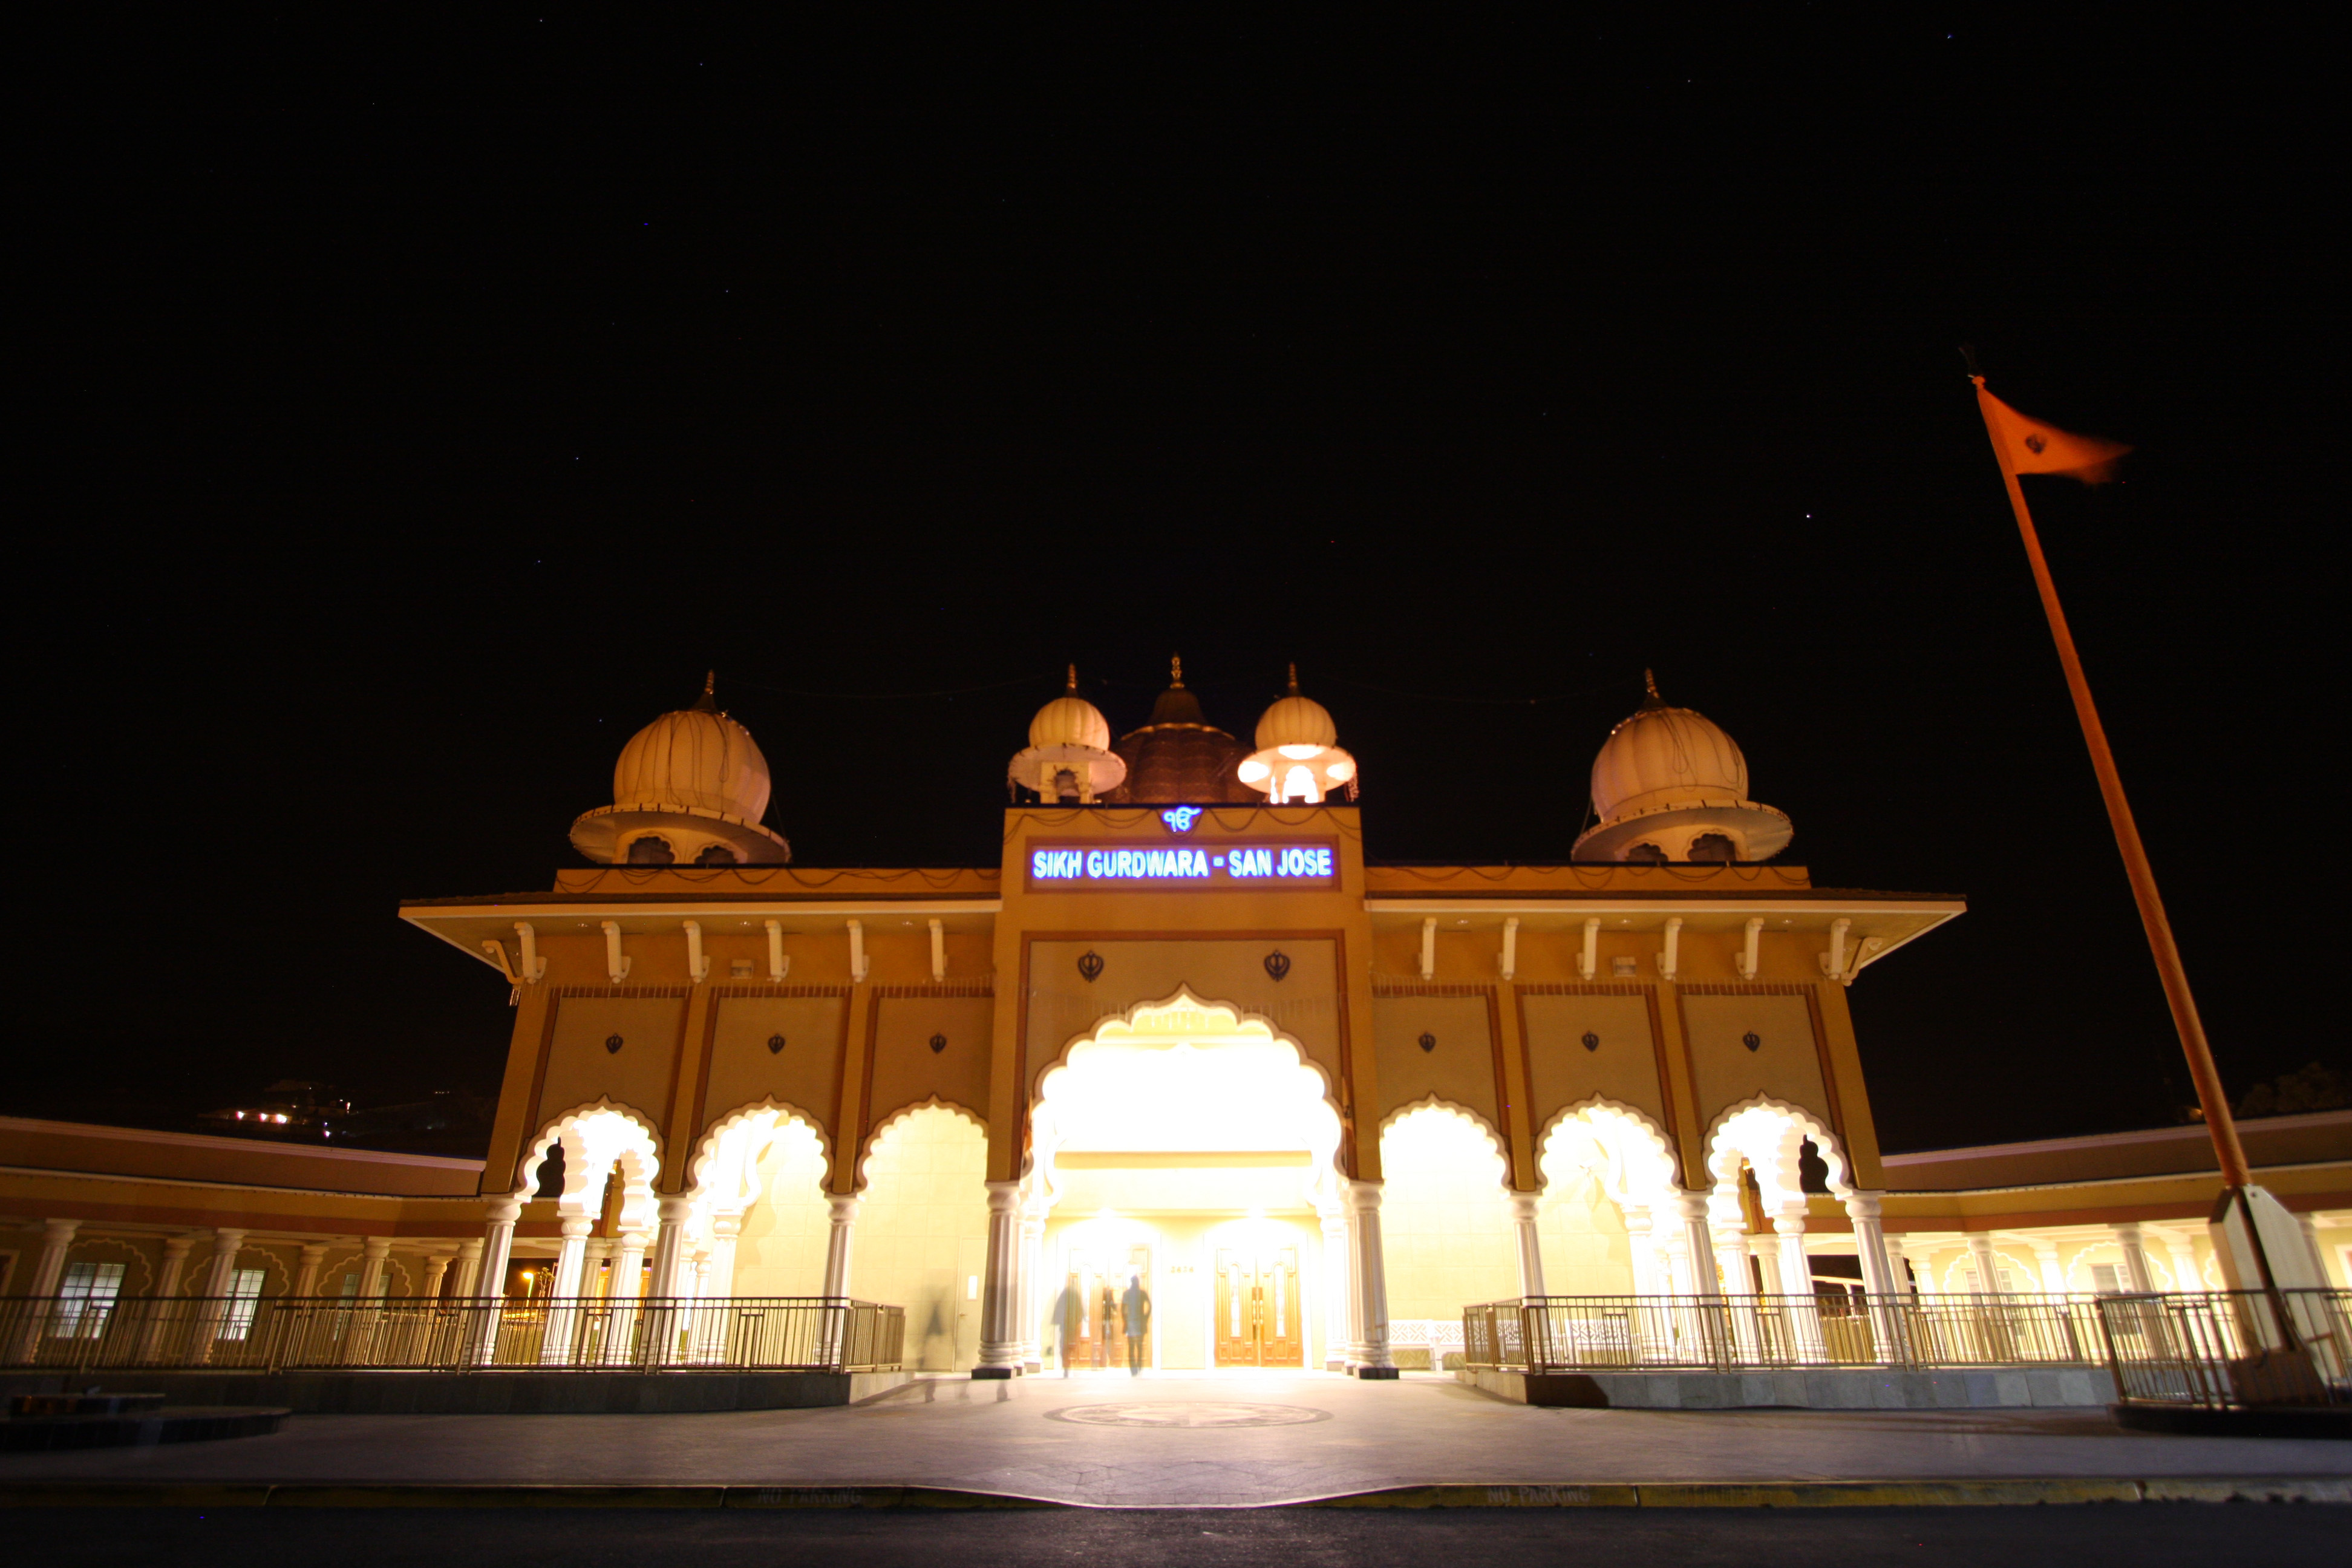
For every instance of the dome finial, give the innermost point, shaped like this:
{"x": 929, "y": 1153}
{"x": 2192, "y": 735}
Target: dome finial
{"x": 1175, "y": 671}
{"x": 1650, "y": 698}
{"x": 1074, "y": 678}
{"x": 709, "y": 701}
{"x": 1293, "y": 678}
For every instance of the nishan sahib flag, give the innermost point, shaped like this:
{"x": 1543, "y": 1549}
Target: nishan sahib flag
{"x": 2033, "y": 447}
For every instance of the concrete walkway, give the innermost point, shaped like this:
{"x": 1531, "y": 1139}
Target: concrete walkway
{"x": 1188, "y": 1441}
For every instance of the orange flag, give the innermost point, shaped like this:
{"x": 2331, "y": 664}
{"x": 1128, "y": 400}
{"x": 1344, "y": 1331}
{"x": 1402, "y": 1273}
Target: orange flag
{"x": 2030, "y": 447}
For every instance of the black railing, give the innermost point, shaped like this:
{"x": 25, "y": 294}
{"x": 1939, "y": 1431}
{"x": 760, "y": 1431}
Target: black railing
{"x": 2223, "y": 1349}
{"x": 811, "y": 1333}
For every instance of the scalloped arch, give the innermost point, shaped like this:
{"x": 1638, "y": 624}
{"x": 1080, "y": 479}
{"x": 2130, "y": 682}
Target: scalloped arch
{"x": 865, "y": 1154}
{"x": 705, "y": 1148}
{"x": 1824, "y": 1142}
{"x": 555, "y": 1128}
{"x": 1436, "y": 1103}
{"x": 1184, "y": 996}
{"x": 1660, "y": 1148}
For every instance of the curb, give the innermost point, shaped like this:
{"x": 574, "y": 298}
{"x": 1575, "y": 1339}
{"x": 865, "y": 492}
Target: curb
{"x": 1985, "y": 1493}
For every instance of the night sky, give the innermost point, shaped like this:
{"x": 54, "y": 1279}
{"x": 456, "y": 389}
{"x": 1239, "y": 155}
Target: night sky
{"x": 406, "y": 419}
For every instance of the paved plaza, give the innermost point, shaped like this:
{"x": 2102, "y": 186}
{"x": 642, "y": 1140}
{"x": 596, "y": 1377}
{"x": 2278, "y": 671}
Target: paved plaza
{"x": 1190, "y": 1440}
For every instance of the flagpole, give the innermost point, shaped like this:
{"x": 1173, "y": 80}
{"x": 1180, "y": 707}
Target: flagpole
{"x": 2228, "y": 1152}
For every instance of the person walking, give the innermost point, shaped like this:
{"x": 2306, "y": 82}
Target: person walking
{"x": 1069, "y": 1321}
{"x": 1135, "y": 1316}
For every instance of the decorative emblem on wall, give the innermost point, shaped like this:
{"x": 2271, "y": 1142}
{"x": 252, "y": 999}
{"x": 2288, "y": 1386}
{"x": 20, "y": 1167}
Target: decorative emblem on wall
{"x": 1591, "y": 1041}
{"x": 1180, "y": 818}
{"x": 613, "y": 1043}
{"x": 1090, "y": 966}
{"x": 938, "y": 1044}
{"x": 1753, "y": 1040}
{"x": 775, "y": 1044}
{"x": 1277, "y": 964}
{"x": 1428, "y": 1042}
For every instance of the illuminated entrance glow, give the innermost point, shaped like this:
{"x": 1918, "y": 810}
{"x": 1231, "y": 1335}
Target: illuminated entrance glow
{"x": 1193, "y": 1149}
{"x": 1241, "y": 865}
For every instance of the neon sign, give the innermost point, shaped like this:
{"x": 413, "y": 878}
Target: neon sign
{"x": 1180, "y": 818}
{"x": 1230, "y": 866}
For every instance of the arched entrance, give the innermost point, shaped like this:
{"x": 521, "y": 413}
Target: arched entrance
{"x": 1185, "y": 1151}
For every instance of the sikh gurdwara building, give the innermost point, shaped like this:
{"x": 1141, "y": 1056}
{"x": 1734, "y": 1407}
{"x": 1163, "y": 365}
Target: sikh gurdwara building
{"x": 1183, "y": 1033}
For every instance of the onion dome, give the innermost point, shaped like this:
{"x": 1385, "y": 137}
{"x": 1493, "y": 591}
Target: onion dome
{"x": 1069, "y": 757}
{"x": 1180, "y": 758}
{"x": 1669, "y": 785}
{"x": 689, "y": 789}
{"x": 1298, "y": 757}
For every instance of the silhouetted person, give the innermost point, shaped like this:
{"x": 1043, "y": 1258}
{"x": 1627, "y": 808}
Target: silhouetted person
{"x": 1135, "y": 1316}
{"x": 1069, "y": 1321}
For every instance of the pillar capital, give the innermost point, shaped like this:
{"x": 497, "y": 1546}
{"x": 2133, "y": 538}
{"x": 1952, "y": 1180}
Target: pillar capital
{"x": 1789, "y": 1222}
{"x": 1523, "y": 1205}
{"x": 503, "y": 1211}
{"x": 1860, "y": 1205}
{"x": 674, "y": 1207}
{"x": 370, "y": 1247}
{"x": 844, "y": 1206}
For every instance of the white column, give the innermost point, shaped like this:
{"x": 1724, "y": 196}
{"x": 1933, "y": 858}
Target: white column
{"x": 314, "y": 1257}
{"x": 837, "y": 1243}
{"x": 1033, "y": 1253}
{"x": 628, "y": 1278}
{"x": 1898, "y": 1277}
{"x": 563, "y": 1322}
{"x": 1988, "y": 1266}
{"x": 436, "y": 1264}
{"x": 1641, "y": 1242}
{"x": 489, "y": 1283}
{"x": 2182, "y": 1250}
{"x": 218, "y": 1272}
{"x": 175, "y": 1260}
{"x": 2047, "y": 1264}
{"x": 167, "y": 1285}
{"x": 1880, "y": 1283}
{"x": 1700, "y": 1240}
{"x": 1796, "y": 1285}
{"x": 670, "y": 1248}
{"x": 2127, "y": 1236}
{"x": 222, "y": 1268}
{"x": 2308, "y": 1222}
{"x": 718, "y": 1275}
{"x": 497, "y": 1248}
{"x": 373, "y": 1251}
{"x": 470, "y": 1268}
{"x": 1371, "y": 1282}
{"x": 1000, "y": 1335}
{"x": 593, "y": 1278}
{"x": 49, "y": 1270}
{"x": 1766, "y": 1251}
{"x": 1523, "y": 1221}
{"x": 1337, "y": 1337}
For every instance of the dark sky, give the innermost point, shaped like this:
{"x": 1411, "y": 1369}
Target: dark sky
{"x": 412, "y": 416}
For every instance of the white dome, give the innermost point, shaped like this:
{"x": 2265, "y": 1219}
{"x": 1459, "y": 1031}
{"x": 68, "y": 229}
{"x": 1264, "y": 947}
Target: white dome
{"x": 1296, "y": 721}
{"x": 1070, "y": 720}
{"x": 689, "y": 789}
{"x": 699, "y": 758}
{"x": 1298, "y": 757}
{"x": 1669, "y": 785}
{"x": 1662, "y": 754}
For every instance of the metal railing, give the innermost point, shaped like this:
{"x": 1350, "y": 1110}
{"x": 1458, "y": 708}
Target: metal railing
{"x": 2221, "y": 1349}
{"x": 810, "y": 1333}
{"x": 1738, "y": 1333}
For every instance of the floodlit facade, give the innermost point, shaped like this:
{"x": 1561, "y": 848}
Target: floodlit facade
{"x": 1182, "y": 1034}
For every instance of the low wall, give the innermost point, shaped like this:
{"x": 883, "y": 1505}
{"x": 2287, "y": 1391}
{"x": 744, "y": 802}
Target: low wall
{"x": 482, "y": 1392}
{"x": 1827, "y": 1388}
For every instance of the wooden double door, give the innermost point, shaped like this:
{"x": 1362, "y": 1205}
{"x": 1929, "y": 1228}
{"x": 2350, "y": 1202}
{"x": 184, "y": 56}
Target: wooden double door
{"x": 1259, "y": 1321}
{"x": 1097, "y": 1282}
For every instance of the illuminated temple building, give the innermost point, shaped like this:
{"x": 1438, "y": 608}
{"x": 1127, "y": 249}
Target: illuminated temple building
{"x": 1183, "y": 1032}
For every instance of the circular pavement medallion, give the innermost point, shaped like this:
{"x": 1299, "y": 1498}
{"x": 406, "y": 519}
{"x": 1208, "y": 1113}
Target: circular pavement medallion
{"x": 1172, "y": 1413}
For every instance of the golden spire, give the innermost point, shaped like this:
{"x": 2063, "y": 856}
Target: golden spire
{"x": 1650, "y": 698}
{"x": 1175, "y": 671}
{"x": 709, "y": 701}
{"x": 1293, "y": 678}
{"x": 1073, "y": 679}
